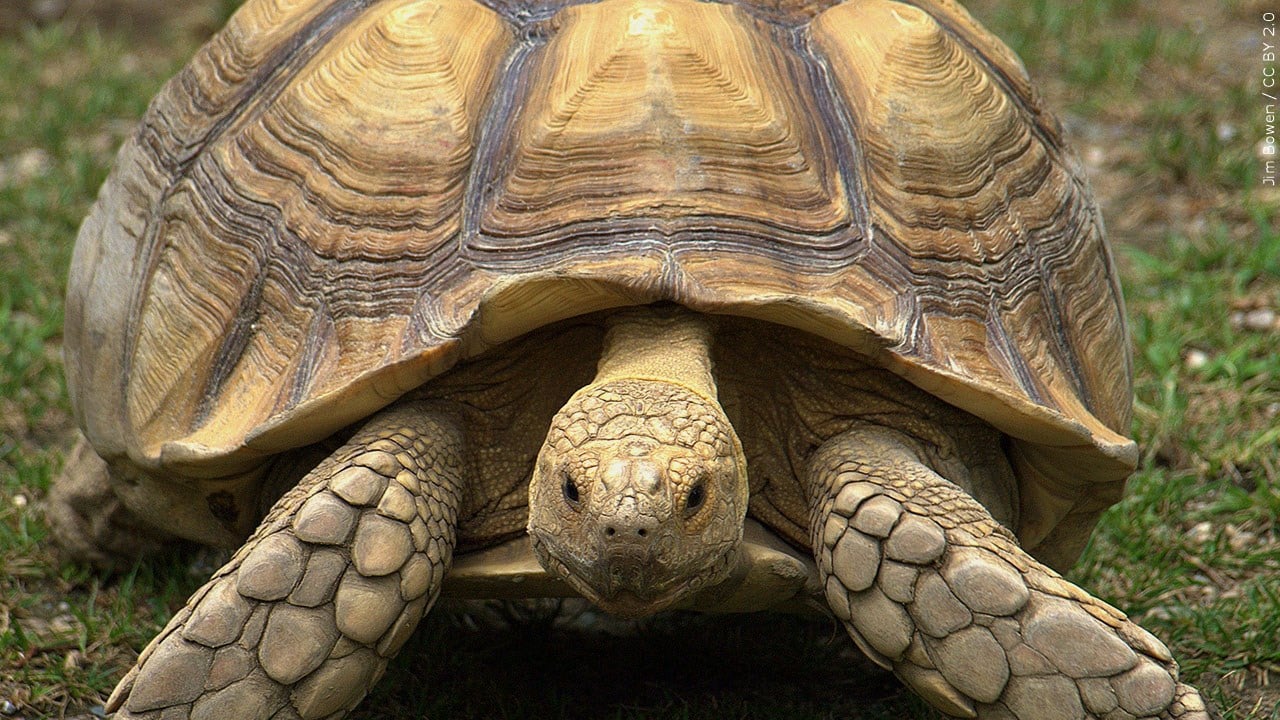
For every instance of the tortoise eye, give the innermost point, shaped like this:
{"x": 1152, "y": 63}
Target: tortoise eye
{"x": 570, "y": 490}
{"x": 697, "y": 495}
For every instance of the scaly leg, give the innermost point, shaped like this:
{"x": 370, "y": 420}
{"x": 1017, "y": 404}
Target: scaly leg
{"x": 303, "y": 619}
{"x": 931, "y": 587}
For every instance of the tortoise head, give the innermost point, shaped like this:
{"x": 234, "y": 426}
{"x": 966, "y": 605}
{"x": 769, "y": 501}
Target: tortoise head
{"x": 639, "y": 495}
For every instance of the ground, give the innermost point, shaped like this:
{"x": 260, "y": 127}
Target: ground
{"x": 1163, "y": 103}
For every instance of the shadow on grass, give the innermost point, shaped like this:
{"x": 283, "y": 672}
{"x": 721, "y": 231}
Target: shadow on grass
{"x": 680, "y": 665}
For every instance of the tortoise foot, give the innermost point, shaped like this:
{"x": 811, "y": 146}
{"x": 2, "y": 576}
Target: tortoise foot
{"x": 1188, "y": 704}
{"x": 930, "y": 586}
{"x": 89, "y": 520}
{"x": 304, "y": 618}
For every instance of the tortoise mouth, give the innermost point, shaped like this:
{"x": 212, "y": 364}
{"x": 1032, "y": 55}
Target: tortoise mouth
{"x": 626, "y": 589}
{"x": 629, "y": 605}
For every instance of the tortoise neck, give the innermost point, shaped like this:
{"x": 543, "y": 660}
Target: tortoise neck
{"x": 661, "y": 344}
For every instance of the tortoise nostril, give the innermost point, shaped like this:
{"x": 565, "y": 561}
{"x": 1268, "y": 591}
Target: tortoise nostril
{"x": 626, "y": 532}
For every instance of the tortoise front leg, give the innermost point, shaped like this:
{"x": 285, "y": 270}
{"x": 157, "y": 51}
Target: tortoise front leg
{"x": 303, "y": 619}
{"x": 931, "y": 587}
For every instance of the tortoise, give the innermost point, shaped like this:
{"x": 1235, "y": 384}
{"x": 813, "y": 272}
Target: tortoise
{"x": 666, "y": 304}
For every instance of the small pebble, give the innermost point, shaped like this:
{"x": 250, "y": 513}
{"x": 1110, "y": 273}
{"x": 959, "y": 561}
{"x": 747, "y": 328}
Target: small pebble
{"x": 8, "y": 708}
{"x": 1201, "y": 533}
{"x": 1195, "y": 359}
{"x": 1259, "y": 319}
{"x": 1255, "y": 320}
{"x": 24, "y": 166}
{"x": 1239, "y": 539}
{"x": 20, "y": 500}
{"x": 73, "y": 660}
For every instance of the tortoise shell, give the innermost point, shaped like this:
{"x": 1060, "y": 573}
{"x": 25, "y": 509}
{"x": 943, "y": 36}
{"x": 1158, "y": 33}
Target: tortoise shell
{"x": 336, "y": 201}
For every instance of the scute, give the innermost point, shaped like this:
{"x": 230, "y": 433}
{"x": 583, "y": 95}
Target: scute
{"x": 666, "y": 111}
{"x": 336, "y": 202}
{"x": 958, "y": 181}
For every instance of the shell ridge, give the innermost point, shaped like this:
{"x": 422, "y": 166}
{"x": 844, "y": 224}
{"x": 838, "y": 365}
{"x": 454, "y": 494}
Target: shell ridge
{"x": 839, "y": 121}
{"x": 312, "y": 355}
{"x": 229, "y": 352}
{"x": 998, "y": 339}
{"x": 1051, "y": 291}
{"x": 488, "y": 162}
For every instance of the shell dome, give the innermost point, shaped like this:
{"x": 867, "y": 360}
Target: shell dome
{"x": 335, "y": 202}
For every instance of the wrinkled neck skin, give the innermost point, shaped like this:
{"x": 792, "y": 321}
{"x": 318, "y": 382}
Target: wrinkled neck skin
{"x": 640, "y": 491}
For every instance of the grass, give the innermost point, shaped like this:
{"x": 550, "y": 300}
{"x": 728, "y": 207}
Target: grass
{"x": 1159, "y": 106}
